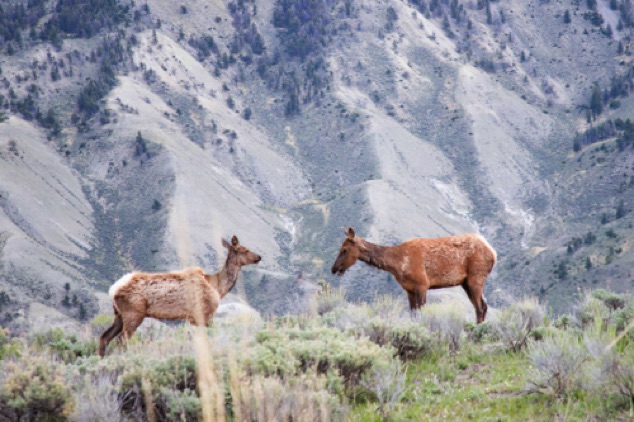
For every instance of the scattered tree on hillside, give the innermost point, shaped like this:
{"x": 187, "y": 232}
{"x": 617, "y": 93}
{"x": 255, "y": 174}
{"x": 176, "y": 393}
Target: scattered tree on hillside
{"x": 140, "y": 145}
{"x": 567, "y": 18}
{"x": 562, "y": 271}
{"x": 247, "y": 113}
{"x": 83, "y": 18}
{"x": 620, "y": 210}
{"x": 392, "y": 17}
{"x": 110, "y": 54}
{"x": 303, "y": 24}
{"x": 627, "y": 13}
{"x": 488, "y": 10}
{"x": 247, "y": 40}
{"x": 205, "y": 45}
{"x": 17, "y": 17}
{"x": 596, "y": 101}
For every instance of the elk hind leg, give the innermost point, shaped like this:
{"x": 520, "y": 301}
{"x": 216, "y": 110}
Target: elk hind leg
{"x": 113, "y": 331}
{"x": 475, "y": 296}
{"x": 211, "y": 312}
{"x": 130, "y": 323}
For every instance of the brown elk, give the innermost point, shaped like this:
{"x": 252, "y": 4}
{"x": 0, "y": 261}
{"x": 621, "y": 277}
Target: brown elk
{"x": 422, "y": 264}
{"x": 188, "y": 295}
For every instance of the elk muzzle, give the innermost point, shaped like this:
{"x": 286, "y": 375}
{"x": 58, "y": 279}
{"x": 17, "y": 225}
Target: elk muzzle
{"x": 338, "y": 268}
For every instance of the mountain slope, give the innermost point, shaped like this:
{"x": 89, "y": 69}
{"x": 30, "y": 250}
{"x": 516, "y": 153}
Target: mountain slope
{"x": 141, "y": 142}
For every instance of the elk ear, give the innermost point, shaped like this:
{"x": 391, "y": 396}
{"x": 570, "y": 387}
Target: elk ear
{"x": 234, "y": 241}
{"x": 226, "y": 244}
{"x": 350, "y": 233}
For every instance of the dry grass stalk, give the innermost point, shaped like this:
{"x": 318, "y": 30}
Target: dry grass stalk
{"x": 205, "y": 376}
{"x": 146, "y": 385}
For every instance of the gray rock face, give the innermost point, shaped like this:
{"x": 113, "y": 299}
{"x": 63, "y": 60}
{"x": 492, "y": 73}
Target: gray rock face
{"x": 233, "y": 309}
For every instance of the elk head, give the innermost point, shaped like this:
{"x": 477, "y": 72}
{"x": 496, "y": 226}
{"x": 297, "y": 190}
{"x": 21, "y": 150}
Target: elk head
{"x": 240, "y": 254}
{"x": 348, "y": 254}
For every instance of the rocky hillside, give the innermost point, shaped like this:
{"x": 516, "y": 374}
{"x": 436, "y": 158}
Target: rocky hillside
{"x": 135, "y": 135}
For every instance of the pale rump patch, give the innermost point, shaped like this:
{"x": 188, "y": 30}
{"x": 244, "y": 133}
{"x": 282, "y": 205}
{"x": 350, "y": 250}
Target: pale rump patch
{"x": 123, "y": 281}
{"x": 488, "y": 245}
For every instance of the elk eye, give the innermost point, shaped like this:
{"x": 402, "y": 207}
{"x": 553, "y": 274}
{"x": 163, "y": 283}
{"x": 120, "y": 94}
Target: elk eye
{"x": 345, "y": 250}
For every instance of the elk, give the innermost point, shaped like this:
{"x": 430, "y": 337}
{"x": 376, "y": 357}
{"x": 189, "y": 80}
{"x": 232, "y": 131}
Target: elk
{"x": 187, "y": 295}
{"x": 422, "y": 264}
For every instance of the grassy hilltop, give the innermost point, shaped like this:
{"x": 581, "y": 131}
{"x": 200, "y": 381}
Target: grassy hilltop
{"x": 337, "y": 361}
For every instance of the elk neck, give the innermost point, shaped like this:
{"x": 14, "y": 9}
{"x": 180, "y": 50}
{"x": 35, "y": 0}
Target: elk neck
{"x": 228, "y": 275}
{"x": 377, "y": 256}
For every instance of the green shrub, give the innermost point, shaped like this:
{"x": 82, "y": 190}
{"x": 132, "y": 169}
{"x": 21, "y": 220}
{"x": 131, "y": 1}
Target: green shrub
{"x": 623, "y": 317}
{"x": 97, "y": 397}
{"x": 447, "y": 321}
{"x": 540, "y": 333}
{"x": 410, "y": 339}
{"x": 305, "y": 397}
{"x": 591, "y": 312}
{"x": 479, "y": 333}
{"x": 329, "y": 299}
{"x": 388, "y": 308}
{"x": 175, "y": 374}
{"x": 384, "y": 323}
{"x": 100, "y": 323}
{"x": 35, "y": 387}
{"x": 271, "y": 357}
{"x": 67, "y": 347}
{"x": 291, "y": 350}
{"x": 348, "y": 317}
{"x": 612, "y": 300}
{"x": 181, "y": 405}
{"x": 556, "y": 364}
{"x": 611, "y": 369}
{"x": 387, "y": 384}
{"x": 602, "y": 310}
{"x": 169, "y": 385}
{"x": 9, "y": 347}
{"x": 623, "y": 378}
{"x": 563, "y": 322}
{"x": 516, "y": 322}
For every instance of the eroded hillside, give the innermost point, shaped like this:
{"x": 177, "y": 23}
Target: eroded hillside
{"x": 135, "y": 136}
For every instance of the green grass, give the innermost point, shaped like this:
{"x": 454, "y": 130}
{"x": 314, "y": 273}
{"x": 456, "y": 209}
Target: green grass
{"x": 482, "y": 383}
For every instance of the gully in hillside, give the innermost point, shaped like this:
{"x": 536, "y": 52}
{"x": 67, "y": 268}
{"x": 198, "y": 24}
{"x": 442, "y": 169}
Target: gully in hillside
{"x": 189, "y": 295}
{"x": 422, "y": 264}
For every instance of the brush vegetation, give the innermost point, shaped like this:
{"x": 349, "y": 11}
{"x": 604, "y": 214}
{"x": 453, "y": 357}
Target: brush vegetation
{"x": 349, "y": 361}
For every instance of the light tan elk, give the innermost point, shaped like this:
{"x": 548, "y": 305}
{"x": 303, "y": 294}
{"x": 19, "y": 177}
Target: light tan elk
{"x": 422, "y": 264}
{"x": 189, "y": 295}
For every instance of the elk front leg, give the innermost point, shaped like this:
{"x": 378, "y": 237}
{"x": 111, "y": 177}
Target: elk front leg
{"x": 417, "y": 299}
{"x": 411, "y": 296}
{"x": 421, "y": 297}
